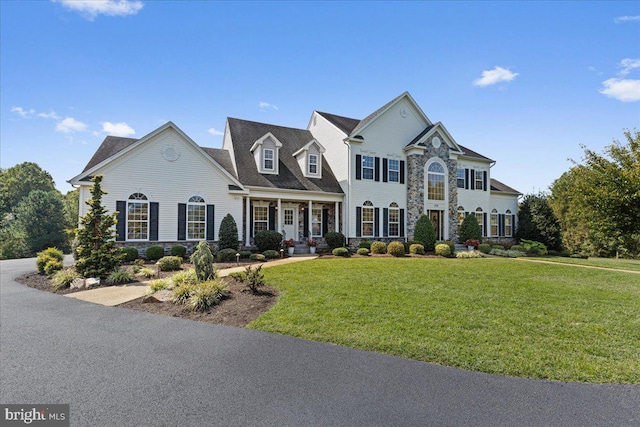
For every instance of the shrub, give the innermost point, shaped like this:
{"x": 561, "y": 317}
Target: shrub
{"x": 119, "y": 276}
{"x": 52, "y": 266}
{"x": 452, "y": 245}
{"x": 245, "y": 254}
{"x": 182, "y": 293}
{"x": 424, "y": 233}
{"x": 517, "y": 248}
{"x": 334, "y": 239}
{"x": 159, "y": 284}
{"x": 443, "y": 249}
{"x": 366, "y": 243}
{"x": 532, "y": 247}
{"x": 207, "y": 294}
{"x": 378, "y": 247}
{"x": 417, "y": 249}
{"x": 267, "y": 240}
{"x": 228, "y": 234}
{"x": 130, "y": 254}
{"x": 407, "y": 245}
{"x": 154, "y": 253}
{"x": 178, "y": 250}
{"x": 253, "y": 278}
{"x": 226, "y": 255}
{"x": 271, "y": 254}
{"x": 45, "y": 256}
{"x": 147, "y": 272}
{"x": 497, "y": 247}
{"x": 170, "y": 263}
{"x": 509, "y": 254}
{"x": 63, "y": 278}
{"x": 469, "y": 254}
{"x": 185, "y": 277}
{"x": 345, "y": 252}
{"x": 362, "y": 251}
{"x": 202, "y": 260}
{"x": 396, "y": 249}
{"x": 485, "y": 248}
{"x": 257, "y": 257}
{"x": 470, "y": 229}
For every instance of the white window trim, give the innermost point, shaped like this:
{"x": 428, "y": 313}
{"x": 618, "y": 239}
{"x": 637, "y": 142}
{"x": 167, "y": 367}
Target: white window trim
{"x": 190, "y": 203}
{"x": 317, "y": 164}
{"x": 507, "y": 216}
{"x": 389, "y": 222}
{"x": 460, "y": 178}
{"x": 144, "y": 201}
{"x": 318, "y": 222}
{"x": 494, "y": 215}
{"x": 260, "y": 205}
{"x": 264, "y": 159}
{"x": 372, "y": 168}
{"x": 389, "y": 170}
{"x": 372, "y": 222}
{"x": 444, "y": 182}
{"x": 479, "y": 177}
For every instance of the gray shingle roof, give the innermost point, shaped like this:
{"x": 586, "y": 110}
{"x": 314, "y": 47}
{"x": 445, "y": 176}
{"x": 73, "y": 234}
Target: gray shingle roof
{"x": 223, "y": 158}
{"x": 500, "y": 187}
{"x": 470, "y": 153}
{"x": 345, "y": 124}
{"x": 110, "y": 146}
{"x": 245, "y": 133}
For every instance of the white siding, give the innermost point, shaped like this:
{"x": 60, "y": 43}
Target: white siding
{"x": 331, "y": 138}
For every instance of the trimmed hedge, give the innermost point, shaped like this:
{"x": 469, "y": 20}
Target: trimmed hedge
{"x": 363, "y": 251}
{"x": 334, "y": 239}
{"x": 416, "y": 249}
{"x": 257, "y": 257}
{"x": 154, "y": 253}
{"x": 396, "y": 249}
{"x": 267, "y": 240}
{"x": 269, "y": 254}
{"x": 378, "y": 247}
{"x": 344, "y": 252}
{"x": 130, "y": 254}
{"x": 170, "y": 263}
{"x": 485, "y": 248}
{"x": 443, "y": 249}
{"x": 226, "y": 255}
{"x": 178, "y": 250}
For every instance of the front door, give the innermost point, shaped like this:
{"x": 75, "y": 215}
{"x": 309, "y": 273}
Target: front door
{"x": 436, "y": 220}
{"x": 288, "y": 223}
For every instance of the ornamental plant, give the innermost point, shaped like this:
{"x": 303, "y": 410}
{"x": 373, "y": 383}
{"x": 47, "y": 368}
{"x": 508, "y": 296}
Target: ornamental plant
{"x": 472, "y": 242}
{"x": 202, "y": 260}
{"x": 424, "y": 233}
{"x": 396, "y": 249}
{"x": 228, "y": 233}
{"x": 290, "y": 243}
{"x": 379, "y": 247}
{"x": 470, "y": 229}
{"x": 312, "y": 243}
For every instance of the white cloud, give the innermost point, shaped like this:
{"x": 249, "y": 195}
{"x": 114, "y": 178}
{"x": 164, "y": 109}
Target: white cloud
{"x": 22, "y": 112}
{"x": 69, "y": 125}
{"x": 214, "y": 131}
{"x": 118, "y": 129}
{"x": 266, "y": 106}
{"x": 50, "y": 115}
{"x": 627, "y": 18}
{"x": 92, "y": 8}
{"x": 625, "y": 90}
{"x": 497, "y": 75}
{"x": 629, "y": 65}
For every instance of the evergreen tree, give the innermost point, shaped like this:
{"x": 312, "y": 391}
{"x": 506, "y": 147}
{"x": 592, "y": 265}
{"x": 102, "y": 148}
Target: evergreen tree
{"x": 425, "y": 233}
{"x": 97, "y": 252}
{"x": 202, "y": 260}
{"x": 470, "y": 229}
{"x": 536, "y": 221}
{"x": 228, "y": 234}
{"x": 39, "y": 218}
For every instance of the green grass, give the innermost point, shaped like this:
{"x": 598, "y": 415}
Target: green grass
{"x": 618, "y": 264}
{"x": 499, "y": 316}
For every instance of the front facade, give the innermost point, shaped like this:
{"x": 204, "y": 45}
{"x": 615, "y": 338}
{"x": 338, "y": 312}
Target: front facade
{"x": 368, "y": 179}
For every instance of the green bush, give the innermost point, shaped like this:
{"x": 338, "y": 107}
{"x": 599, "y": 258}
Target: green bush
{"x": 517, "y": 248}
{"x": 178, "y": 250}
{"x": 501, "y": 247}
{"x": 334, "y": 239}
{"x": 202, "y": 260}
{"x": 362, "y": 251}
{"x": 509, "y": 254}
{"x": 47, "y": 255}
{"x": 228, "y": 234}
{"x": 185, "y": 277}
{"x": 182, "y": 293}
{"x": 470, "y": 229}
{"x": 366, "y": 243}
{"x": 170, "y": 263}
{"x": 154, "y": 253}
{"x": 485, "y": 248}
{"x": 147, "y": 272}
{"x": 271, "y": 254}
{"x": 417, "y": 249}
{"x": 396, "y": 249}
{"x": 253, "y": 278}
{"x": 119, "y": 276}
{"x": 159, "y": 284}
{"x": 469, "y": 254}
{"x": 532, "y": 247}
{"x": 442, "y": 249}
{"x": 267, "y": 240}
{"x": 424, "y": 233}
{"x": 207, "y": 294}
{"x": 342, "y": 251}
{"x": 407, "y": 245}
{"x": 226, "y": 255}
{"x": 63, "y": 278}
{"x": 452, "y": 245}
{"x": 257, "y": 257}
{"x": 245, "y": 254}
{"x": 130, "y": 254}
{"x": 378, "y": 247}
{"x": 52, "y": 266}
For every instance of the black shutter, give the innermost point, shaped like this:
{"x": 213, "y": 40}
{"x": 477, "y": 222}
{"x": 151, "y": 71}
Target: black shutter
{"x": 484, "y": 228}
{"x": 153, "y": 221}
{"x": 325, "y": 221}
{"x": 377, "y": 167}
{"x": 250, "y": 220}
{"x": 466, "y": 179}
{"x": 401, "y": 171}
{"x": 121, "y": 226}
{"x": 484, "y": 180}
{"x": 376, "y": 222}
{"x": 272, "y": 217}
{"x": 501, "y": 225}
{"x": 385, "y": 169}
{"x": 513, "y": 225}
{"x": 358, "y": 221}
{"x": 385, "y": 222}
{"x": 358, "y": 166}
{"x": 401, "y": 222}
{"x": 472, "y": 175}
{"x": 211, "y": 222}
{"x": 305, "y": 227}
{"x": 182, "y": 221}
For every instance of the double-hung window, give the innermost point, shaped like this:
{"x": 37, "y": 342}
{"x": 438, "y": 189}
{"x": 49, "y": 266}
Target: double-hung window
{"x": 460, "y": 178}
{"x": 367, "y": 219}
{"x": 268, "y": 159}
{"x": 394, "y": 170}
{"x": 137, "y": 217}
{"x": 394, "y": 220}
{"x": 260, "y": 218}
{"x": 508, "y": 227}
{"x": 480, "y": 219}
{"x": 479, "y": 180}
{"x": 494, "y": 222}
{"x": 368, "y": 163}
{"x": 196, "y": 218}
{"x": 313, "y": 164}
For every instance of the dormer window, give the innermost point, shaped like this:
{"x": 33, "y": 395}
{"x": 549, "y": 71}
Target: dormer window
{"x": 309, "y": 157}
{"x": 313, "y": 164}
{"x": 265, "y": 152}
{"x": 267, "y": 155}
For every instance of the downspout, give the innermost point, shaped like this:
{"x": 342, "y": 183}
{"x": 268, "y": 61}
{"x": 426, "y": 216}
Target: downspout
{"x": 347, "y": 209}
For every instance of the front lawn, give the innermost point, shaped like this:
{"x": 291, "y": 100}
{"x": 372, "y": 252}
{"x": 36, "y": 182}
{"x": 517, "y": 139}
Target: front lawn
{"x": 618, "y": 264}
{"x": 499, "y": 316}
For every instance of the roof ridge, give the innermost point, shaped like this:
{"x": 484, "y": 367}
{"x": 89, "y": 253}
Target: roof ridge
{"x": 266, "y": 124}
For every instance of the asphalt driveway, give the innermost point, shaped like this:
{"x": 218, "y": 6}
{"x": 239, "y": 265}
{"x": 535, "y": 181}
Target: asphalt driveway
{"x": 128, "y": 368}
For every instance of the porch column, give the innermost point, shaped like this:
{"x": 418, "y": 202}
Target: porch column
{"x": 310, "y": 224}
{"x": 336, "y": 218}
{"x": 247, "y": 230}
{"x": 279, "y": 215}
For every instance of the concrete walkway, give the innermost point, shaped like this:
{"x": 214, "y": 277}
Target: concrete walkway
{"x": 116, "y": 295}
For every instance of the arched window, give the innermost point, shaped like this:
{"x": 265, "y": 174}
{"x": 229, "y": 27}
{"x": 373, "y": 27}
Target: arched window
{"x": 137, "y": 217}
{"x": 508, "y": 224}
{"x": 435, "y": 181}
{"x": 494, "y": 222}
{"x": 368, "y": 219}
{"x": 394, "y": 220}
{"x": 480, "y": 219}
{"x": 196, "y": 218}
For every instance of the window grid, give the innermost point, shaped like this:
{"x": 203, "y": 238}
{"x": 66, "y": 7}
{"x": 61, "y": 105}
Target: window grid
{"x": 316, "y": 222}
{"x": 367, "y": 221}
{"x": 394, "y": 222}
{"x": 268, "y": 159}
{"x": 394, "y": 170}
{"x": 367, "y": 167}
{"x": 260, "y": 218}
{"x": 479, "y": 180}
{"x": 313, "y": 164}
{"x": 138, "y": 217}
{"x": 494, "y": 222}
{"x": 480, "y": 219}
{"x": 460, "y": 178}
{"x": 288, "y": 217}
{"x": 507, "y": 224}
{"x": 196, "y": 221}
{"x": 435, "y": 182}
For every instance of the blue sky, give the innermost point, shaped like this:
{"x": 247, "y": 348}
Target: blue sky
{"x": 524, "y": 83}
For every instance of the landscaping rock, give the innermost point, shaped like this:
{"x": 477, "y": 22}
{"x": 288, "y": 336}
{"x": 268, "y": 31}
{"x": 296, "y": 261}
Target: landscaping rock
{"x": 163, "y": 295}
{"x": 150, "y": 299}
{"x": 93, "y": 281}
{"x": 77, "y": 283}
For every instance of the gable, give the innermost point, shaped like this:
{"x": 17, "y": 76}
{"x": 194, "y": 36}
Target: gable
{"x": 395, "y": 126}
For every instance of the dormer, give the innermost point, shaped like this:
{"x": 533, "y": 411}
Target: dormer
{"x": 309, "y": 158}
{"x": 265, "y": 152}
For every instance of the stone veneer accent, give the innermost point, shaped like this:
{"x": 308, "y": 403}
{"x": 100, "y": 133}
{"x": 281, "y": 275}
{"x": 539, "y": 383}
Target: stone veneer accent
{"x": 416, "y": 186}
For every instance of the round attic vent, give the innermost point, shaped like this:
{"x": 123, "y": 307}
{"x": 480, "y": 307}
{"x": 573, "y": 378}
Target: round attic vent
{"x": 170, "y": 153}
{"x": 435, "y": 142}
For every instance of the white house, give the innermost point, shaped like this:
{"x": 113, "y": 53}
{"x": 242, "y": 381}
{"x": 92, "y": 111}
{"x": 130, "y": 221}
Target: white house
{"x": 369, "y": 179}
